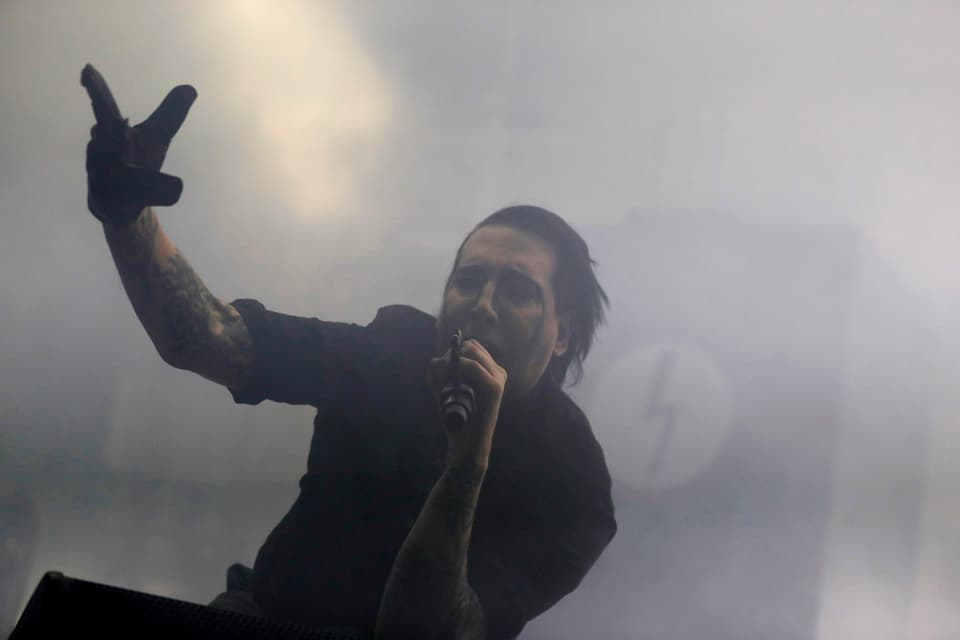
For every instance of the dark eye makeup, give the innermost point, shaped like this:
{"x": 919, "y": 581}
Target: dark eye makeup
{"x": 515, "y": 285}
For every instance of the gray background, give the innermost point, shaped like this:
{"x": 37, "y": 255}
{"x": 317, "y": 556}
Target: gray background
{"x": 769, "y": 188}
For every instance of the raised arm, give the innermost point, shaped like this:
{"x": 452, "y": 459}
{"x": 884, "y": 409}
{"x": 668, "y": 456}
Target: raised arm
{"x": 190, "y": 328}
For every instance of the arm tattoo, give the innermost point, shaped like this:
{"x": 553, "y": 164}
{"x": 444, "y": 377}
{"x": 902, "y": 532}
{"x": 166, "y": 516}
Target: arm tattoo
{"x": 132, "y": 245}
{"x": 186, "y": 304}
{"x": 457, "y": 501}
{"x": 185, "y": 321}
{"x": 427, "y": 594}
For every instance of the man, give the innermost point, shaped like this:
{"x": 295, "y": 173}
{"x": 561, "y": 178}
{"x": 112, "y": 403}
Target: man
{"x": 403, "y": 529}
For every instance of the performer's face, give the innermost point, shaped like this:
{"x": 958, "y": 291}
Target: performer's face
{"x": 501, "y": 294}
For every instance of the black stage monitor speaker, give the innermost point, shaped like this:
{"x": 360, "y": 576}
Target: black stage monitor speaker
{"x": 63, "y": 607}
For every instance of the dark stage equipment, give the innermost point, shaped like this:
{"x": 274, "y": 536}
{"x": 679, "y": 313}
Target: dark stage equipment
{"x": 64, "y": 607}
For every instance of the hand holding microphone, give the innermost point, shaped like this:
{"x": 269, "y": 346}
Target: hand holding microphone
{"x": 468, "y": 384}
{"x": 457, "y": 398}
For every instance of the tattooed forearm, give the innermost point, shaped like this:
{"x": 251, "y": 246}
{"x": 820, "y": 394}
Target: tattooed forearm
{"x": 190, "y": 327}
{"x": 427, "y": 594}
{"x": 456, "y": 499}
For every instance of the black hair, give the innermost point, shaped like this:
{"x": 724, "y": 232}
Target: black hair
{"x": 577, "y": 290}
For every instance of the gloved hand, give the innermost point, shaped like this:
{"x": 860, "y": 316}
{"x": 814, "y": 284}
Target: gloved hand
{"x": 123, "y": 162}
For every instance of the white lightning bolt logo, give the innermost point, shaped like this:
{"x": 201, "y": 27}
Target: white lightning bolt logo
{"x": 662, "y": 412}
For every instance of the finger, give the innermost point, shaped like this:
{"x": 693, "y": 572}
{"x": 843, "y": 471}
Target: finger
{"x": 129, "y": 185}
{"x": 478, "y": 376}
{"x": 166, "y": 119}
{"x": 114, "y": 135}
{"x": 152, "y": 188}
{"x": 475, "y": 350}
{"x": 105, "y": 108}
{"x": 438, "y": 371}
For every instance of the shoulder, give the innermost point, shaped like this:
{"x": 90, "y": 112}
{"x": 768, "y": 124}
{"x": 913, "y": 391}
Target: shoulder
{"x": 305, "y": 360}
{"x": 405, "y": 316}
{"x": 566, "y": 421}
{"x": 394, "y": 324}
{"x": 571, "y": 440}
{"x": 405, "y": 326}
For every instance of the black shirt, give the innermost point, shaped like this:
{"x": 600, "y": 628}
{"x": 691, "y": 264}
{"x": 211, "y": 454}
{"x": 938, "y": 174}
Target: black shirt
{"x": 544, "y": 513}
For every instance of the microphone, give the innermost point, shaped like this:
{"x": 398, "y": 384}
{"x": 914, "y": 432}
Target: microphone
{"x": 457, "y": 398}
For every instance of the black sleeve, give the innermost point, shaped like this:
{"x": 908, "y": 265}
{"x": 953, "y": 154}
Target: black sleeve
{"x": 300, "y": 360}
{"x": 543, "y": 554}
{"x": 295, "y": 360}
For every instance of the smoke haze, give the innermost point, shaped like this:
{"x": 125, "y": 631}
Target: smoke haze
{"x": 770, "y": 190}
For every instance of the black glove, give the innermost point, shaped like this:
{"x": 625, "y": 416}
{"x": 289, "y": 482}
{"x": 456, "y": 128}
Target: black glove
{"x": 123, "y": 162}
